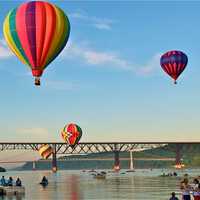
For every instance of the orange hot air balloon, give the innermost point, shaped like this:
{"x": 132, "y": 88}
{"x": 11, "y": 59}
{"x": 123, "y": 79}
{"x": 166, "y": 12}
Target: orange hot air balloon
{"x": 36, "y": 32}
{"x": 45, "y": 151}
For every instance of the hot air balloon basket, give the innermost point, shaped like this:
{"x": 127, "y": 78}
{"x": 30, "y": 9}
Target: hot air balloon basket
{"x": 37, "y": 82}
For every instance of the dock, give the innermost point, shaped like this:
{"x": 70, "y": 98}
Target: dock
{"x": 12, "y": 190}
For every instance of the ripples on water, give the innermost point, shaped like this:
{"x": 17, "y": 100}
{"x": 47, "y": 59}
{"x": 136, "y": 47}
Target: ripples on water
{"x": 75, "y": 185}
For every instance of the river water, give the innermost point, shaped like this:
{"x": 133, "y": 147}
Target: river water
{"x": 75, "y": 185}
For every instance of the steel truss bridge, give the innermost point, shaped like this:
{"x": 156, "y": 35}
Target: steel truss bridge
{"x": 94, "y": 147}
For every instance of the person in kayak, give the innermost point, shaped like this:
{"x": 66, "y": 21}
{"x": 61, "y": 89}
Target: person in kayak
{"x": 44, "y": 181}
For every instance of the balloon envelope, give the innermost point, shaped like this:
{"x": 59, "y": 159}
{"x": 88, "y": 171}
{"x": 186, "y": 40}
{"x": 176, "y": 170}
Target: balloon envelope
{"x": 173, "y": 63}
{"x": 71, "y": 134}
{"x": 45, "y": 151}
{"x": 36, "y": 32}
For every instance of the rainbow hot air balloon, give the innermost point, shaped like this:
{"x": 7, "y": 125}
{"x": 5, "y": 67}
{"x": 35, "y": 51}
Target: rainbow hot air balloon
{"x": 36, "y": 32}
{"x": 45, "y": 151}
{"x": 173, "y": 63}
{"x": 71, "y": 133}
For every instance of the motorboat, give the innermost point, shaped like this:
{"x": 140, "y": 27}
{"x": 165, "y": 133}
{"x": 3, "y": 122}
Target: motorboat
{"x": 100, "y": 175}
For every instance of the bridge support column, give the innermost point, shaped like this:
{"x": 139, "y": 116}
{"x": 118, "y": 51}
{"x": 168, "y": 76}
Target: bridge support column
{"x": 131, "y": 160}
{"x": 34, "y": 167}
{"x": 116, "y": 158}
{"x": 54, "y": 159}
{"x": 178, "y": 154}
{"x": 178, "y": 164}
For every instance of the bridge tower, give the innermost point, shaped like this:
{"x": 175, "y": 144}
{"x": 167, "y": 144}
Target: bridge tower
{"x": 116, "y": 158}
{"x": 54, "y": 159}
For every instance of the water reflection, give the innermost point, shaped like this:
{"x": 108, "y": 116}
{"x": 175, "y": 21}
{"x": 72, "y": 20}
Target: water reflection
{"x": 76, "y": 185}
{"x": 75, "y": 193}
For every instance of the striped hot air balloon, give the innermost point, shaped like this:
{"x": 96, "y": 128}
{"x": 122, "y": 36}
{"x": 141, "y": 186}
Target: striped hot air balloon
{"x": 173, "y": 63}
{"x": 45, "y": 151}
{"x": 71, "y": 134}
{"x": 36, "y": 32}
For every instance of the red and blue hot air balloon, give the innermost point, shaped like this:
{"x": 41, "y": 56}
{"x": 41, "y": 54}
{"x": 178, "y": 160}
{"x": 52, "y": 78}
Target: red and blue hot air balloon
{"x": 173, "y": 63}
{"x": 36, "y": 32}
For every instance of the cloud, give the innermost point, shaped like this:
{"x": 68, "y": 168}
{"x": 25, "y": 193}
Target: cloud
{"x": 96, "y": 57}
{"x": 4, "y": 50}
{"x": 62, "y": 85}
{"x": 102, "y": 58}
{"x": 151, "y": 66}
{"x": 83, "y": 52}
{"x": 99, "y": 23}
{"x": 102, "y": 26}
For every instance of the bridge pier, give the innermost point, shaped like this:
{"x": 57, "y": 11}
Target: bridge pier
{"x": 178, "y": 154}
{"x": 116, "y": 158}
{"x": 131, "y": 160}
{"x": 34, "y": 167}
{"x": 54, "y": 159}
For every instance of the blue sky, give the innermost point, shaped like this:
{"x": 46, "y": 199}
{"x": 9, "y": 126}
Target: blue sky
{"x": 108, "y": 79}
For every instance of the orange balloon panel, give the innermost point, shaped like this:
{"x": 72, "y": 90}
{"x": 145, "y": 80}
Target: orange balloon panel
{"x": 45, "y": 151}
